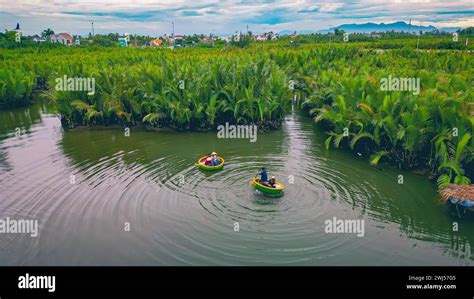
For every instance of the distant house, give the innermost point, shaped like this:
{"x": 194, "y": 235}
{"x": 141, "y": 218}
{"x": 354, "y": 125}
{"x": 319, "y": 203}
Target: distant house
{"x": 62, "y": 38}
{"x": 273, "y": 36}
{"x": 38, "y": 39}
{"x": 266, "y": 36}
{"x": 156, "y": 42}
{"x": 207, "y": 39}
{"x": 175, "y": 38}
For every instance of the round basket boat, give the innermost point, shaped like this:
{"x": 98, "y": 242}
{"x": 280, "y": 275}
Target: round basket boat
{"x": 268, "y": 190}
{"x": 200, "y": 164}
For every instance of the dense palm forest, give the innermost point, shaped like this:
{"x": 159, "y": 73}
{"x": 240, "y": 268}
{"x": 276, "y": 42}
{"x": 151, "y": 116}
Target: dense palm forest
{"x": 431, "y": 130}
{"x": 191, "y": 89}
{"x": 337, "y": 84}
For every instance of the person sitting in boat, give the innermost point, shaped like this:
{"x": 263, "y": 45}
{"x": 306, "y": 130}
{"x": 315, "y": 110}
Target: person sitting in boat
{"x": 263, "y": 176}
{"x": 272, "y": 182}
{"x": 215, "y": 159}
{"x": 208, "y": 161}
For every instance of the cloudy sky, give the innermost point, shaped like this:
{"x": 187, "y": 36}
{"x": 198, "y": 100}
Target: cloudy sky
{"x": 223, "y": 16}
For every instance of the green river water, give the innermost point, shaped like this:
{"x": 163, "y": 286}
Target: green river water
{"x": 180, "y": 215}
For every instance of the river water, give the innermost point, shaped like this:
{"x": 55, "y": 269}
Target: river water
{"x": 102, "y": 198}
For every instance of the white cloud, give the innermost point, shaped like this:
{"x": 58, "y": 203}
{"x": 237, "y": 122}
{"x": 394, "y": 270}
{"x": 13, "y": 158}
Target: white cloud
{"x": 154, "y": 17}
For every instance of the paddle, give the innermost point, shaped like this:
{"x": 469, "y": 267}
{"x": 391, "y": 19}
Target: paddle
{"x": 255, "y": 176}
{"x": 257, "y": 173}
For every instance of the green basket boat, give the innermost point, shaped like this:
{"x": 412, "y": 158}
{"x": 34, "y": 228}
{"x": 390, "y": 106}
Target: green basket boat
{"x": 268, "y": 190}
{"x": 200, "y": 164}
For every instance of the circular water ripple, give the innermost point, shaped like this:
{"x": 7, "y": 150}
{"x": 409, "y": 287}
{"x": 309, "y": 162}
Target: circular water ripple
{"x": 227, "y": 198}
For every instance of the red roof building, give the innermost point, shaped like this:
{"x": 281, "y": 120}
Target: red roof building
{"x": 62, "y": 38}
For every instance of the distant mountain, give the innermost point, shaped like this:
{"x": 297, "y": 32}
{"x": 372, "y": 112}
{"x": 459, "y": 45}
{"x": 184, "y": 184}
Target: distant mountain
{"x": 382, "y": 27}
{"x": 372, "y": 27}
{"x": 450, "y": 29}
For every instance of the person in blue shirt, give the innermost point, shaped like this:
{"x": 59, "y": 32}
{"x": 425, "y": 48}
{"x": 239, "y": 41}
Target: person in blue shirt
{"x": 263, "y": 176}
